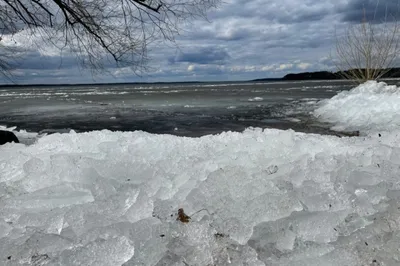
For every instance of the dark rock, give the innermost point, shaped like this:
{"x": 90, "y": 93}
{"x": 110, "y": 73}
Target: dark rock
{"x": 7, "y": 136}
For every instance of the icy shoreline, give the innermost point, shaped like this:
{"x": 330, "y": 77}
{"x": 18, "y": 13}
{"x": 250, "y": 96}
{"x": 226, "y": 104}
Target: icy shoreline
{"x": 370, "y": 107}
{"x": 272, "y": 197}
{"x": 261, "y": 197}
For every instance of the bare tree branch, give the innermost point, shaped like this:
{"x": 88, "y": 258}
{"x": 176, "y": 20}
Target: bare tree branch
{"x": 100, "y": 30}
{"x": 367, "y": 51}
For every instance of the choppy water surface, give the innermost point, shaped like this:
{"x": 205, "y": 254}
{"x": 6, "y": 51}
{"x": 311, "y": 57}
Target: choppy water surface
{"x": 179, "y": 109}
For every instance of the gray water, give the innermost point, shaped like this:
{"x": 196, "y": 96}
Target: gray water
{"x": 180, "y": 109}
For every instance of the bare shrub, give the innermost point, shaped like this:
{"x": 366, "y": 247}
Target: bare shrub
{"x": 367, "y": 51}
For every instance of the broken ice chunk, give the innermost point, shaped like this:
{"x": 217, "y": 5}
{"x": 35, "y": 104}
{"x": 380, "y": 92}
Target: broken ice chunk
{"x": 102, "y": 252}
{"x": 286, "y": 241}
{"x": 50, "y": 198}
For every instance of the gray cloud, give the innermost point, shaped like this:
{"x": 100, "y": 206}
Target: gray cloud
{"x": 34, "y": 60}
{"x": 373, "y": 10}
{"x": 203, "y": 55}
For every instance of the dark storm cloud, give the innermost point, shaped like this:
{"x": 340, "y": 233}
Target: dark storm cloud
{"x": 373, "y": 10}
{"x": 284, "y": 11}
{"x": 34, "y": 60}
{"x": 205, "y": 55}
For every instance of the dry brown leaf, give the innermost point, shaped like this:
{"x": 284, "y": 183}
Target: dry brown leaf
{"x": 182, "y": 216}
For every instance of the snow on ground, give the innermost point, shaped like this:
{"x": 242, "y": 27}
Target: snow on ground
{"x": 261, "y": 197}
{"x": 255, "y": 198}
{"x": 370, "y": 107}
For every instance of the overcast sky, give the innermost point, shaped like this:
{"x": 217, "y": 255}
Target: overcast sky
{"x": 243, "y": 39}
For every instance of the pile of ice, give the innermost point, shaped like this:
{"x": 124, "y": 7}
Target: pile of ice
{"x": 255, "y": 198}
{"x": 370, "y": 107}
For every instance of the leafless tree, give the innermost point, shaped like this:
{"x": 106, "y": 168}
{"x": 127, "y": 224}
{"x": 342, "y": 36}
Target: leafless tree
{"x": 99, "y": 31}
{"x": 367, "y": 51}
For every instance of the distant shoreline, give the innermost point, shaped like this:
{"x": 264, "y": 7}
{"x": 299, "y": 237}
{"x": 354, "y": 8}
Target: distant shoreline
{"x": 326, "y": 75}
{"x": 302, "y": 76}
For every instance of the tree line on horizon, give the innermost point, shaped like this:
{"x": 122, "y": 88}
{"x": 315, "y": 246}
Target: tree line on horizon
{"x": 328, "y": 75}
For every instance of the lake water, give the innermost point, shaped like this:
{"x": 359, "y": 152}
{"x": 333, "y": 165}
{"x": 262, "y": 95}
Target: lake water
{"x": 180, "y": 109}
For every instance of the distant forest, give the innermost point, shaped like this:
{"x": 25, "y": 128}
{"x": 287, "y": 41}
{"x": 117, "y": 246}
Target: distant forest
{"x": 326, "y": 75}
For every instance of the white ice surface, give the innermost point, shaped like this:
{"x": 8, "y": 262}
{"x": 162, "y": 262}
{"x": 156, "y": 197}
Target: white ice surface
{"x": 255, "y": 99}
{"x": 255, "y": 198}
{"x": 370, "y": 107}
